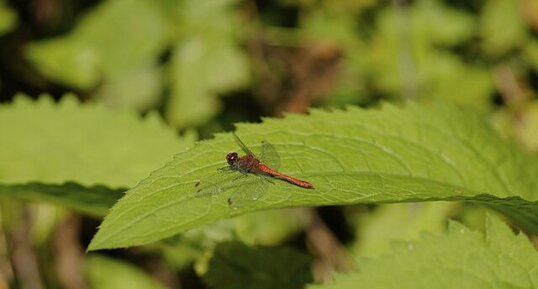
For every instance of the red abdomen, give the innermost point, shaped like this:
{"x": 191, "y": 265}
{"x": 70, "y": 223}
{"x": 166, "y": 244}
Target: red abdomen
{"x": 295, "y": 181}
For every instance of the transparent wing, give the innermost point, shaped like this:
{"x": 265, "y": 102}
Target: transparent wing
{"x": 242, "y": 145}
{"x": 269, "y": 156}
{"x": 249, "y": 191}
{"x": 217, "y": 183}
{"x": 243, "y": 188}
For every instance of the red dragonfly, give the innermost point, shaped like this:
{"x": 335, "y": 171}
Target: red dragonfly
{"x": 246, "y": 188}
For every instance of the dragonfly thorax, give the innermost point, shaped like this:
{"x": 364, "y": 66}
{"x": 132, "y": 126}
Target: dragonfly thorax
{"x": 247, "y": 164}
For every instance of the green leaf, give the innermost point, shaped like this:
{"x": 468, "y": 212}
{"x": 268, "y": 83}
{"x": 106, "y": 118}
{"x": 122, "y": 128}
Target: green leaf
{"x": 415, "y": 153}
{"x": 530, "y": 53}
{"x": 191, "y": 103}
{"x": 91, "y": 51}
{"x": 526, "y": 125}
{"x": 399, "y": 222}
{"x": 66, "y": 61}
{"x": 429, "y": 18}
{"x": 106, "y": 273}
{"x": 339, "y": 29}
{"x": 8, "y": 18}
{"x": 234, "y": 265}
{"x": 139, "y": 89}
{"x": 261, "y": 228}
{"x": 95, "y": 200}
{"x": 502, "y": 26}
{"x": 196, "y": 244}
{"x": 270, "y": 227}
{"x": 461, "y": 258}
{"x": 45, "y": 144}
{"x": 205, "y": 62}
{"x": 424, "y": 68}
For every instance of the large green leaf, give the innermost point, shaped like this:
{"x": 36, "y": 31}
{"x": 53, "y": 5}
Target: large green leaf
{"x": 461, "y": 259}
{"x": 415, "y": 153}
{"x": 45, "y": 144}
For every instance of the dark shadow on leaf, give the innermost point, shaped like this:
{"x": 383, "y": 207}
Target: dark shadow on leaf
{"x": 95, "y": 200}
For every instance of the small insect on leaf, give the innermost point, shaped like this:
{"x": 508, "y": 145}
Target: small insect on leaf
{"x": 252, "y": 175}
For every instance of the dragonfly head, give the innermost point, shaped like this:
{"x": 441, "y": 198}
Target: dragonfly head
{"x": 231, "y": 158}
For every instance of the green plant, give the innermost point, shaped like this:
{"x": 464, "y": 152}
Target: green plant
{"x": 392, "y": 154}
{"x": 415, "y": 153}
{"x": 430, "y": 183}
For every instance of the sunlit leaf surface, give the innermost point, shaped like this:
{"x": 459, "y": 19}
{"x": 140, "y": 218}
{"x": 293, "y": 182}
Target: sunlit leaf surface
{"x": 413, "y": 153}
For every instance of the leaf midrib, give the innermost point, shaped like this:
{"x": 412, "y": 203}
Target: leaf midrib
{"x": 322, "y": 173}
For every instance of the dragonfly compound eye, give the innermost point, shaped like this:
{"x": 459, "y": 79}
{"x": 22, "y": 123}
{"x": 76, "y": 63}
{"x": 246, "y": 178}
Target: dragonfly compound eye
{"x": 231, "y": 158}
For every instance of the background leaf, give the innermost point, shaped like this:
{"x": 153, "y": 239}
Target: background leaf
{"x": 496, "y": 259}
{"x": 138, "y": 89}
{"x": 271, "y": 227}
{"x": 206, "y": 63}
{"x": 234, "y": 265}
{"x": 8, "y": 18}
{"x": 107, "y": 273}
{"x": 54, "y": 143}
{"x": 420, "y": 152}
{"x": 267, "y": 228}
{"x": 95, "y": 200}
{"x": 45, "y": 144}
{"x": 502, "y": 26}
{"x": 90, "y": 53}
{"x": 390, "y": 222}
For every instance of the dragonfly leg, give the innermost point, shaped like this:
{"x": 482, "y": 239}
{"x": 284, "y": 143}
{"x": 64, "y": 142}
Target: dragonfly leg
{"x": 226, "y": 169}
{"x": 250, "y": 192}
{"x": 267, "y": 178}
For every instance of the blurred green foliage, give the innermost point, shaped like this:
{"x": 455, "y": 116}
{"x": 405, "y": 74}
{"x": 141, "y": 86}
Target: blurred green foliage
{"x": 182, "y": 56}
{"x": 399, "y": 221}
{"x": 98, "y": 271}
{"x": 234, "y": 265}
{"x": 451, "y": 260}
{"x": 200, "y": 36}
{"x": 8, "y": 18}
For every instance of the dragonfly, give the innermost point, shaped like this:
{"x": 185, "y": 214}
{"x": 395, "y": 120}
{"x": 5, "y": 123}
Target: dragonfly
{"x": 248, "y": 176}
